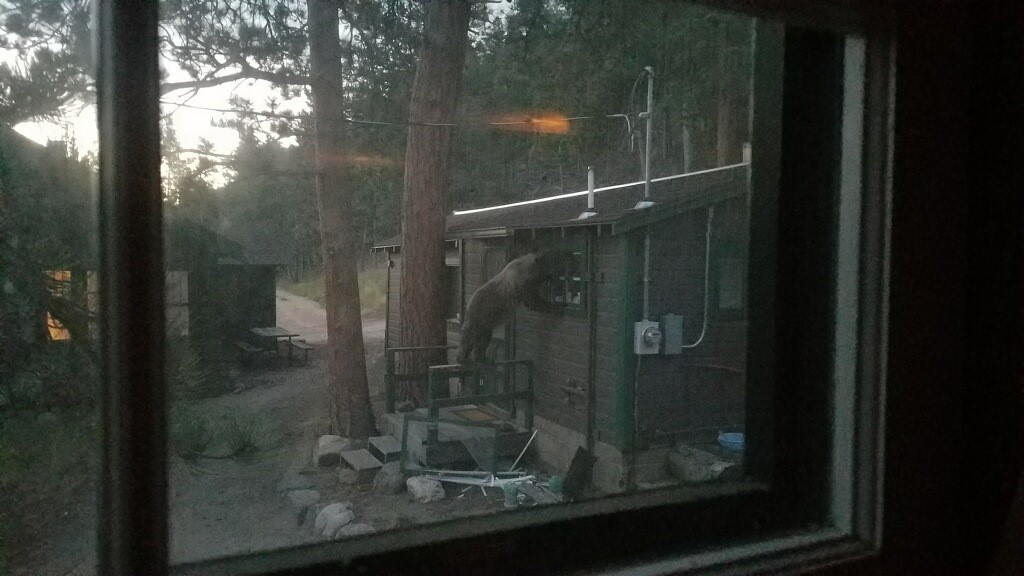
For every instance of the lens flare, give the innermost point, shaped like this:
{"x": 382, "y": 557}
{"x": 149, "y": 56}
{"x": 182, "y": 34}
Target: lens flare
{"x": 537, "y": 123}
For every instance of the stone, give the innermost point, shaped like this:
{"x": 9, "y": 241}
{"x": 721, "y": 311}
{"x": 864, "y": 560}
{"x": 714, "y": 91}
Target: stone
{"x": 422, "y": 489}
{"x": 362, "y": 462}
{"x": 389, "y": 480}
{"x": 294, "y": 482}
{"x": 311, "y": 513}
{"x": 354, "y": 529}
{"x": 328, "y": 450}
{"x": 327, "y": 512}
{"x": 301, "y": 500}
{"x": 348, "y": 476}
{"x": 694, "y": 466}
{"x": 384, "y": 448}
{"x": 336, "y": 521}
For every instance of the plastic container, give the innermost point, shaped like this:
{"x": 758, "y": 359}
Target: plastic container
{"x": 731, "y": 441}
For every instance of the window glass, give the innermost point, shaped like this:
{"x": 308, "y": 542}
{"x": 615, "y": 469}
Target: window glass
{"x": 49, "y": 347}
{"x": 592, "y": 162}
{"x": 278, "y": 424}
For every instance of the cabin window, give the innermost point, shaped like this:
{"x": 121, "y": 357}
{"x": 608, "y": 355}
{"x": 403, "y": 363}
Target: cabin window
{"x": 568, "y": 288}
{"x": 728, "y": 280}
{"x": 59, "y": 286}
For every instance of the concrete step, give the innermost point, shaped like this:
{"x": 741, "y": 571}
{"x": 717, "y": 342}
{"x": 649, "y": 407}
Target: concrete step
{"x": 385, "y": 448}
{"x": 362, "y": 462}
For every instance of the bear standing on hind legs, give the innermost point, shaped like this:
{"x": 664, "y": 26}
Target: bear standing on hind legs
{"x": 493, "y": 304}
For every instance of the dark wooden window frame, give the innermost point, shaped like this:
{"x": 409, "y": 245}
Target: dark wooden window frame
{"x": 133, "y": 503}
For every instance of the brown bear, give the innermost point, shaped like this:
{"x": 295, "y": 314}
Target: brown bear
{"x": 493, "y": 304}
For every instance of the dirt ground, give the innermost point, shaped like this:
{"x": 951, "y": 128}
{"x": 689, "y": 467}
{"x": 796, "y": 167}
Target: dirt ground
{"x": 227, "y": 507}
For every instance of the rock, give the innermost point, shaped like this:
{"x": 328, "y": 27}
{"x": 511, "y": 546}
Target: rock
{"x": 311, "y": 513}
{"x": 328, "y": 450}
{"x": 695, "y": 466}
{"x": 336, "y": 521}
{"x": 405, "y": 406}
{"x": 348, "y": 476}
{"x": 301, "y": 500}
{"x": 294, "y": 482}
{"x": 389, "y": 479}
{"x": 424, "y": 490}
{"x": 46, "y": 418}
{"x": 355, "y": 529}
{"x": 327, "y": 512}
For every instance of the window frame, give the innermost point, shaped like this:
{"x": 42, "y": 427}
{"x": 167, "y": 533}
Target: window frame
{"x": 133, "y": 503}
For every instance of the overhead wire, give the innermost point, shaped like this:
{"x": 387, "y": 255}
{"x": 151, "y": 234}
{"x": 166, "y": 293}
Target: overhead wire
{"x": 348, "y": 120}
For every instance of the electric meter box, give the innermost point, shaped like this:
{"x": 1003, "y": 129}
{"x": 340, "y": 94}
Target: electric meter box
{"x": 672, "y": 333}
{"x": 646, "y": 337}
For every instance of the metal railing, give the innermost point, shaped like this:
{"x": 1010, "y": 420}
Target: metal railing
{"x": 441, "y": 374}
{"x": 391, "y": 378}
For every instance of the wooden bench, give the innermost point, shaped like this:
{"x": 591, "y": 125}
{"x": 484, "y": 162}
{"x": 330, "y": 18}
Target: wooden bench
{"x": 248, "y": 352}
{"x": 304, "y": 347}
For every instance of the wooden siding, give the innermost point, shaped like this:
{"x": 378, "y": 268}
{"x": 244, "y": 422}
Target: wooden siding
{"x": 559, "y": 346}
{"x": 610, "y": 379}
{"x": 695, "y": 394}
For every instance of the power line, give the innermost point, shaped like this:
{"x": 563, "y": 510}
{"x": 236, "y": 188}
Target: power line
{"x": 285, "y": 116}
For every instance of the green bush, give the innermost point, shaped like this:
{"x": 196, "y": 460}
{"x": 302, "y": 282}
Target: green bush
{"x": 52, "y": 375}
{"x": 194, "y": 374}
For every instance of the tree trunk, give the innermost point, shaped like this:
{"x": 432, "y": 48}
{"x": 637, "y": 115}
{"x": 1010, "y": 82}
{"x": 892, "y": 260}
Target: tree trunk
{"x": 346, "y": 358}
{"x": 428, "y": 167}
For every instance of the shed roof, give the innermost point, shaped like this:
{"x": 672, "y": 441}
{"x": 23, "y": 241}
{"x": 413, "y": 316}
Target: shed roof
{"x": 615, "y": 206}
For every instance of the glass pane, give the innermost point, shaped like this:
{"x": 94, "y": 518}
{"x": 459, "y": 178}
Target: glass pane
{"x": 335, "y": 189}
{"x": 49, "y": 373}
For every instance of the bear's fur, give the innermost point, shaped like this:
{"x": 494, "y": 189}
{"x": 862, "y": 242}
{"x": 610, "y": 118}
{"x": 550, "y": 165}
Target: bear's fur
{"x": 493, "y": 304}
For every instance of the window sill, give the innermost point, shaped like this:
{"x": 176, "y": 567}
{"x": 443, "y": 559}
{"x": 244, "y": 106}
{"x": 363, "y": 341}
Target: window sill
{"x": 349, "y": 552}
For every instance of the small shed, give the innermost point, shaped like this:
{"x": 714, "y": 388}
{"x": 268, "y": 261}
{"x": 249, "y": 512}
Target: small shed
{"x": 591, "y": 388}
{"x": 221, "y": 277}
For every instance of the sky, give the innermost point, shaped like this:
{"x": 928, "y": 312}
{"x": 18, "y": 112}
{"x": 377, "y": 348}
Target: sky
{"x": 79, "y": 121}
{"x": 190, "y": 125}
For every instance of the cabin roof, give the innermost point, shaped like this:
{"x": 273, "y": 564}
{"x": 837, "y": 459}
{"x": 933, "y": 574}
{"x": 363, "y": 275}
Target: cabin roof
{"x": 614, "y": 205}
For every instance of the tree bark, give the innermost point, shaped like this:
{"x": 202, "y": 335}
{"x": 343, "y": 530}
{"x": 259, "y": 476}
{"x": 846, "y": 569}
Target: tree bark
{"x": 428, "y": 167}
{"x": 346, "y": 358}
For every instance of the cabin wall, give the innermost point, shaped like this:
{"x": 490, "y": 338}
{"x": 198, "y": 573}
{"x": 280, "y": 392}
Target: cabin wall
{"x": 558, "y": 345}
{"x": 612, "y": 337}
{"x": 694, "y": 395}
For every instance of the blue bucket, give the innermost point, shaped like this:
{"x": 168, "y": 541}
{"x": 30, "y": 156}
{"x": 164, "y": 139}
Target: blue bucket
{"x": 731, "y": 441}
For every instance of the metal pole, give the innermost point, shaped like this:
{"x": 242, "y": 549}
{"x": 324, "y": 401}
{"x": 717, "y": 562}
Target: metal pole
{"x": 647, "y": 138}
{"x": 590, "y": 189}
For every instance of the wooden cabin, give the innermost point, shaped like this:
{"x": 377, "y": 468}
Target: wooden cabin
{"x": 221, "y": 283}
{"x": 590, "y": 388}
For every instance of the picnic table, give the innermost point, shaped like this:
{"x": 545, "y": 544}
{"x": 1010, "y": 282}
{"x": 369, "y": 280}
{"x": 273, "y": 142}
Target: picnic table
{"x": 275, "y": 332}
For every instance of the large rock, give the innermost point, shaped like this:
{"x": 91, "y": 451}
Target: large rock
{"x": 335, "y": 521}
{"x": 300, "y": 501}
{"x": 422, "y": 489}
{"x": 694, "y": 466}
{"x": 354, "y": 529}
{"x": 311, "y": 513}
{"x": 389, "y": 479}
{"x": 327, "y": 512}
{"x": 329, "y": 448}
